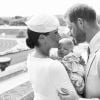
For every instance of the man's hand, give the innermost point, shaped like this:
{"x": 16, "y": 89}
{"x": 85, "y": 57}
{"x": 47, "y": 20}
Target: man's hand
{"x": 67, "y": 95}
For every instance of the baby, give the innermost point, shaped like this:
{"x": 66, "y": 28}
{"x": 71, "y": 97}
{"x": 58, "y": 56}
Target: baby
{"x": 73, "y": 63}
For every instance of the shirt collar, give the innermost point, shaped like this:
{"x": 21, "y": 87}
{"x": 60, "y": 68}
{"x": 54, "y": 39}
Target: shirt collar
{"x": 95, "y": 43}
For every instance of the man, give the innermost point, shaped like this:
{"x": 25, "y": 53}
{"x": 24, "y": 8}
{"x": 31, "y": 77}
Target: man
{"x": 83, "y": 25}
{"x": 46, "y": 75}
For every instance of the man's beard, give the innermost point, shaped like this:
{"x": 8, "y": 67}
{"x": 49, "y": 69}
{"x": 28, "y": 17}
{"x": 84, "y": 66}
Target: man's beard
{"x": 80, "y": 37}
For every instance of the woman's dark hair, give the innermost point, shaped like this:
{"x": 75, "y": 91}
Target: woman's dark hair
{"x": 32, "y": 39}
{"x": 81, "y": 11}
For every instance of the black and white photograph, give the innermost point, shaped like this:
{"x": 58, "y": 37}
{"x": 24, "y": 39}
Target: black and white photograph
{"x": 49, "y": 50}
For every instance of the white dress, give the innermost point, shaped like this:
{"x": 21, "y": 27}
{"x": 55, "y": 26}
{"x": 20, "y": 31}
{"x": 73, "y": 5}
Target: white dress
{"x": 47, "y": 77}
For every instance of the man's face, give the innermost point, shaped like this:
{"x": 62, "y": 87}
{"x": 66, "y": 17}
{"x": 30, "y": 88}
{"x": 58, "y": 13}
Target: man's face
{"x": 78, "y": 34}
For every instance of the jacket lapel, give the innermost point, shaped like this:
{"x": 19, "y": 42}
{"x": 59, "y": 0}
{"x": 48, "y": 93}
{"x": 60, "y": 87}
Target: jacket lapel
{"x": 89, "y": 64}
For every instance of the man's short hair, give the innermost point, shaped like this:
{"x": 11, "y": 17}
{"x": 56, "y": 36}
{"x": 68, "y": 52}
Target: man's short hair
{"x": 81, "y": 11}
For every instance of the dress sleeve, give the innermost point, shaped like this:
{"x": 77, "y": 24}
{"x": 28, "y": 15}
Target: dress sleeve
{"x": 60, "y": 77}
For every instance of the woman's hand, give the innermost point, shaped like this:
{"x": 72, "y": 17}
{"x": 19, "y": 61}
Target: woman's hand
{"x": 67, "y": 95}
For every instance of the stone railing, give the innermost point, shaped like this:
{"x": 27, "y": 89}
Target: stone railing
{"x": 21, "y": 92}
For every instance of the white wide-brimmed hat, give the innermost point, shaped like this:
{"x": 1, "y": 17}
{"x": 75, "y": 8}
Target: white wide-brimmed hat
{"x": 43, "y": 23}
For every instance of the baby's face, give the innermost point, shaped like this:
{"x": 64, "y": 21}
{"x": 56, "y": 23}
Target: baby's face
{"x": 64, "y": 49}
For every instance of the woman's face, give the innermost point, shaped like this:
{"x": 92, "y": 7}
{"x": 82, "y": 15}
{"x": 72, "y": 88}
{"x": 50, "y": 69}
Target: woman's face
{"x": 52, "y": 39}
{"x": 49, "y": 41}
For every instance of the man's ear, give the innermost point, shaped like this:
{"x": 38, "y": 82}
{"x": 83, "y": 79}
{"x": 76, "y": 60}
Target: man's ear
{"x": 80, "y": 23}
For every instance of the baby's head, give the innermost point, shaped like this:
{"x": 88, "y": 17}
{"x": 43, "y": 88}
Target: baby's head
{"x": 66, "y": 46}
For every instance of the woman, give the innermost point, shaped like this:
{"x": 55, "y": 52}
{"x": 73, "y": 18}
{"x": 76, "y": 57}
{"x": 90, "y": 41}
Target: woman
{"x": 46, "y": 75}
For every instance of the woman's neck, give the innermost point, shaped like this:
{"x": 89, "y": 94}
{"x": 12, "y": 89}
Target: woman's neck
{"x": 39, "y": 54}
